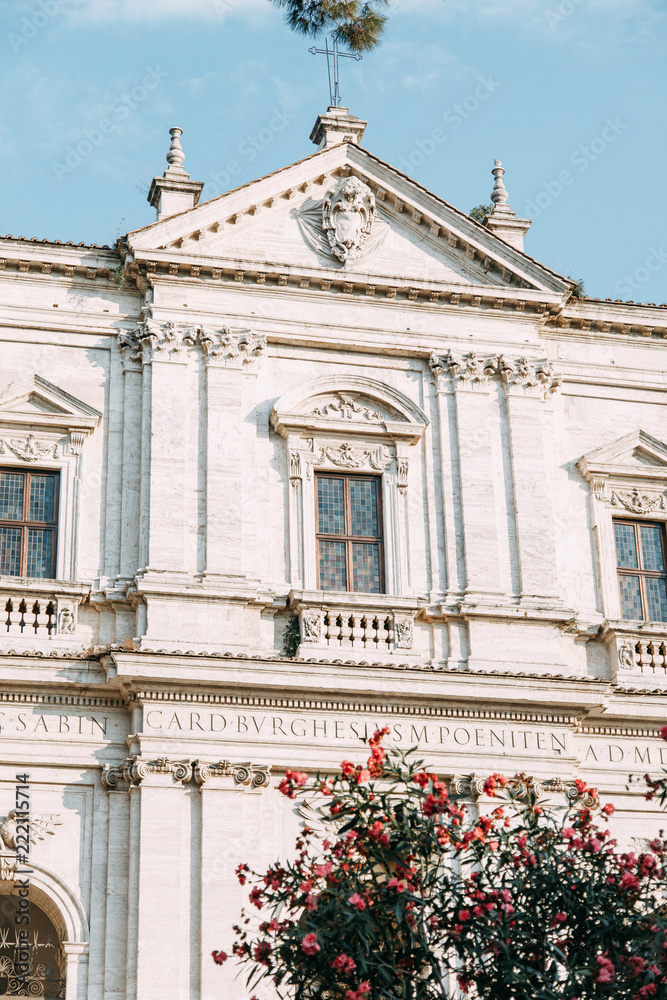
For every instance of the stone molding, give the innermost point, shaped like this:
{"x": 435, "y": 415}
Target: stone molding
{"x": 137, "y": 769}
{"x": 151, "y": 341}
{"x": 638, "y": 652}
{"x": 522, "y": 376}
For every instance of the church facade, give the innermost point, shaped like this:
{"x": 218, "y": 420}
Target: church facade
{"x": 319, "y": 454}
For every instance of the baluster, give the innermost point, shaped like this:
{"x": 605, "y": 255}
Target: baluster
{"x": 391, "y": 632}
{"x": 8, "y": 608}
{"x": 51, "y": 612}
{"x": 371, "y": 632}
{"x": 15, "y": 617}
{"x": 357, "y": 621}
{"x": 662, "y": 658}
{"x": 346, "y": 632}
{"x": 41, "y": 620}
{"x": 383, "y": 632}
{"x": 652, "y": 651}
{"x": 644, "y": 656}
{"x": 334, "y": 630}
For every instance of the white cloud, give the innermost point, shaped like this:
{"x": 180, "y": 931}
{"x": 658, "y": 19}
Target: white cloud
{"x": 87, "y": 11}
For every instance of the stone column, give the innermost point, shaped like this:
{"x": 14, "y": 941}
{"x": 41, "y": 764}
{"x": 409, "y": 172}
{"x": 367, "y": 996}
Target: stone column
{"x": 227, "y": 814}
{"x": 118, "y": 854}
{"x": 471, "y": 384}
{"x": 230, "y": 521}
{"x": 160, "y": 881}
{"x": 131, "y": 458}
{"x": 528, "y": 386}
{"x": 76, "y": 957}
{"x": 450, "y": 482}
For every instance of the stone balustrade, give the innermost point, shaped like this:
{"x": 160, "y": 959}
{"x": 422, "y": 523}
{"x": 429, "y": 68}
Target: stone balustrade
{"x": 355, "y": 627}
{"x": 31, "y": 613}
{"x": 638, "y": 657}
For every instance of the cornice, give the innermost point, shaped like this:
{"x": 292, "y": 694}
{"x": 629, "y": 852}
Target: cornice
{"x": 35, "y": 258}
{"x": 626, "y": 319}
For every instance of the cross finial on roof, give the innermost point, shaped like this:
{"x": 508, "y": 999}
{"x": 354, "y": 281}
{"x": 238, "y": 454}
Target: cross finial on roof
{"x": 333, "y": 54}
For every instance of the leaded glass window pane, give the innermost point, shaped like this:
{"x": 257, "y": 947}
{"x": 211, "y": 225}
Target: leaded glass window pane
{"x": 40, "y": 544}
{"x": 331, "y": 506}
{"x": 656, "y": 598}
{"x": 11, "y": 496}
{"x": 366, "y": 567}
{"x": 363, "y": 509}
{"x": 333, "y": 571}
{"x": 651, "y": 544}
{"x": 626, "y": 548}
{"x": 631, "y": 602}
{"x": 42, "y": 495}
{"x": 10, "y": 551}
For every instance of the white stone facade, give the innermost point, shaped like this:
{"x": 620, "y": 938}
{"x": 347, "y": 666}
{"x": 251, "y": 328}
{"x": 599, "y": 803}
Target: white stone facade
{"x": 187, "y": 386}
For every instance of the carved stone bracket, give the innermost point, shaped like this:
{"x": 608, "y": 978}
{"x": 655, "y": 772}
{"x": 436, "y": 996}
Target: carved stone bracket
{"x": 253, "y": 775}
{"x": 151, "y": 341}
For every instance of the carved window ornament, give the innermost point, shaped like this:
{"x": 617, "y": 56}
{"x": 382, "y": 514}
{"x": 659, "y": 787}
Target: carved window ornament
{"x": 348, "y": 424}
{"x": 43, "y": 426}
{"x": 627, "y": 477}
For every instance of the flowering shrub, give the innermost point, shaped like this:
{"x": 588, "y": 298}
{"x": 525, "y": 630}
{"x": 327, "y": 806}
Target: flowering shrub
{"x": 412, "y": 897}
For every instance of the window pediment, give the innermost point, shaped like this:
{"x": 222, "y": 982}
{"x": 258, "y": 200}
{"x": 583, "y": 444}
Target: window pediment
{"x": 350, "y": 405}
{"x": 630, "y": 472}
{"x": 35, "y": 414}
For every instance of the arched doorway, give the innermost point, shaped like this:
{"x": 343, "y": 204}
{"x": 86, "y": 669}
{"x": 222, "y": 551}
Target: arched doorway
{"x": 32, "y": 959}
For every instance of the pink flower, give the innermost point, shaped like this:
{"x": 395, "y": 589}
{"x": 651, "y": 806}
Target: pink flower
{"x": 606, "y": 972}
{"x": 343, "y": 963}
{"x": 560, "y": 918}
{"x": 321, "y": 871}
{"x": 357, "y": 901}
{"x": 663, "y": 733}
{"x": 397, "y": 884}
{"x": 360, "y": 992}
{"x": 219, "y": 957}
{"x": 464, "y": 915}
{"x": 310, "y": 945}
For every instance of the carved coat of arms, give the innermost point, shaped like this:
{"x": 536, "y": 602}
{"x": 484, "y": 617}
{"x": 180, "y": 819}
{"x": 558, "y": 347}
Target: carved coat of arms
{"x": 347, "y": 217}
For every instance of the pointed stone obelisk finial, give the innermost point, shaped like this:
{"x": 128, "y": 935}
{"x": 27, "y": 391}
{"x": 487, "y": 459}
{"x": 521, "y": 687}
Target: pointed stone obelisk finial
{"x": 503, "y": 221}
{"x": 174, "y": 192}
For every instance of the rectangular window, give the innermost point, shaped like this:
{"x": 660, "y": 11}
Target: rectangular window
{"x": 642, "y": 579}
{"x": 349, "y": 533}
{"x": 28, "y": 523}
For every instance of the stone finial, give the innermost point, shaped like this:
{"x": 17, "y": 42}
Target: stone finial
{"x": 499, "y": 195}
{"x": 336, "y": 126}
{"x": 174, "y": 192}
{"x": 176, "y": 156}
{"x": 503, "y": 221}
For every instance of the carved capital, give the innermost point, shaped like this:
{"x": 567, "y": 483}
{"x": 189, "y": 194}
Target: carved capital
{"x": 137, "y": 770}
{"x": 528, "y": 378}
{"x": 253, "y": 775}
{"x": 112, "y": 775}
{"x": 231, "y": 348}
{"x": 469, "y": 371}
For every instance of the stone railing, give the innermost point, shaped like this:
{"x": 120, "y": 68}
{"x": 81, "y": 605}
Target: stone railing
{"x": 355, "y": 627}
{"x": 638, "y": 654}
{"x": 31, "y": 612}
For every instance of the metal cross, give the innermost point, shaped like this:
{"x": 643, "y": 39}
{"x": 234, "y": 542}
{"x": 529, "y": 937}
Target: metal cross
{"x": 333, "y": 55}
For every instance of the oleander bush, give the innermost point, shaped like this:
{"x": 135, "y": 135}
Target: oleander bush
{"x": 399, "y": 891}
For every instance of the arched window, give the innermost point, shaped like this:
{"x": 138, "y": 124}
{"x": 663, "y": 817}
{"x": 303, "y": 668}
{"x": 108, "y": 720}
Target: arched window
{"x": 32, "y": 959}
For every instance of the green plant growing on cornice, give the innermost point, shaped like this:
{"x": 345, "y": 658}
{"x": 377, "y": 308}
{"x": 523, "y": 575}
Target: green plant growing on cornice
{"x": 480, "y": 212}
{"x": 292, "y": 636}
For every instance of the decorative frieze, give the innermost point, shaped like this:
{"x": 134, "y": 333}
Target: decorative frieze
{"x": 638, "y": 502}
{"x": 347, "y": 406}
{"x": 348, "y": 457}
{"x": 29, "y": 449}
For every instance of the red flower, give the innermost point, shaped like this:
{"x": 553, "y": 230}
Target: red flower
{"x": 663, "y": 732}
{"x": 360, "y": 992}
{"x": 219, "y": 957}
{"x": 464, "y": 915}
{"x": 310, "y": 945}
{"x": 357, "y": 901}
{"x": 397, "y": 884}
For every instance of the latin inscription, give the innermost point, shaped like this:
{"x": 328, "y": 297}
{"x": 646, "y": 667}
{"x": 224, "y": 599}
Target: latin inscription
{"x": 101, "y": 728}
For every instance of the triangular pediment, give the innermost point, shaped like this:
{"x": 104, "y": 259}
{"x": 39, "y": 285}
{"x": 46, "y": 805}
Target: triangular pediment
{"x": 636, "y": 455}
{"x": 276, "y": 223}
{"x": 34, "y": 402}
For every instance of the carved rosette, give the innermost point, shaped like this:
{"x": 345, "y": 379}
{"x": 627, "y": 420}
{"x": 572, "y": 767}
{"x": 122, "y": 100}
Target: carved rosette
{"x": 348, "y": 211}
{"x": 150, "y": 341}
{"x": 253, "y": 775}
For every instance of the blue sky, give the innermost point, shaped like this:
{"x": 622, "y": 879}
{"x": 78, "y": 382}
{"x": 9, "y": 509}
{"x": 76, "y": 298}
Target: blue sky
{"x": 569, "y": 94}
